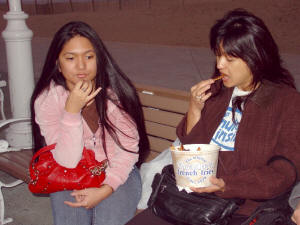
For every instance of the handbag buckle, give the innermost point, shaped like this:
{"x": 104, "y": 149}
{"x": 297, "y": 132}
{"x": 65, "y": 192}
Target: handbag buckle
{"x": 97, "y": 170}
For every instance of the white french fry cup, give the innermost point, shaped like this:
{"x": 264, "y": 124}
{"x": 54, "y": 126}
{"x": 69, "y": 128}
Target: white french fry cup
{"x": 193, "y": 168}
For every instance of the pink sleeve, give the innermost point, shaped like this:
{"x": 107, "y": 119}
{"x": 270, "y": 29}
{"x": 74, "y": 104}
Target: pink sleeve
{"x": 60, "y": 127}
{"x": 121, "y": 162}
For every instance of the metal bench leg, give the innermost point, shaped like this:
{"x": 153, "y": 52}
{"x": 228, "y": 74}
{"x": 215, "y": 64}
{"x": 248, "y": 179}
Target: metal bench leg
{"x": 2, "y": 219}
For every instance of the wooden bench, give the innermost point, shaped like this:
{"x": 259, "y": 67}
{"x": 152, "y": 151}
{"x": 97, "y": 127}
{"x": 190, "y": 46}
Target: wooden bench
{"x": 163, "y": 109}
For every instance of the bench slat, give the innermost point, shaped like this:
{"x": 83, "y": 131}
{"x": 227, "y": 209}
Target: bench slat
{"x": 160, "y": 130}
{"x": 21, "y": 157}
{"x": 16, "y": 170}
{"x": 161, "y": 91}
{"x": 159, "y": 144}
{"x": 169, "y": 104}
{"x": 162, "y": 117}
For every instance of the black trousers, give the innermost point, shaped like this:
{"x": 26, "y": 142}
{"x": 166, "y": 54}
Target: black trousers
{"x": 146, "y": 217}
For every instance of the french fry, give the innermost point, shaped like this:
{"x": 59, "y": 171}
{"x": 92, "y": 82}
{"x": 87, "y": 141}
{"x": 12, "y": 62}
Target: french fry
{"x": 181, "y": 148}
{"x": 219, "y": 77}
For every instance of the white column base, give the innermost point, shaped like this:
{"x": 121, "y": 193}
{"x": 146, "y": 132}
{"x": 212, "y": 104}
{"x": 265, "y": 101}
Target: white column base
{"x": 19, "y": 135}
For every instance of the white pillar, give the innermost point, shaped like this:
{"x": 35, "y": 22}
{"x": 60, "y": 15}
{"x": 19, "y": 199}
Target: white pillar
{"x": 17, "y": 38}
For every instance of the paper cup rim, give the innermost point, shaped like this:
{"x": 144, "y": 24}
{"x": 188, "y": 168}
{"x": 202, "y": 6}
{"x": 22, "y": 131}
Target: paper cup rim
{"x": 217, "y": 149}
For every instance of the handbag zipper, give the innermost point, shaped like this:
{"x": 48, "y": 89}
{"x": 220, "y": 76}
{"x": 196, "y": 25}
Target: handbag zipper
{"x": 94, "y": 140}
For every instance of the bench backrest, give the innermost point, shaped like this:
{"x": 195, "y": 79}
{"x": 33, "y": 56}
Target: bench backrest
{"x": 163, "y": 110}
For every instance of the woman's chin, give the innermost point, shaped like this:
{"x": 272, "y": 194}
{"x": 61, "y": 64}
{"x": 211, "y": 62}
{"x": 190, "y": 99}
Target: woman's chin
{"x": 228, "y": 84}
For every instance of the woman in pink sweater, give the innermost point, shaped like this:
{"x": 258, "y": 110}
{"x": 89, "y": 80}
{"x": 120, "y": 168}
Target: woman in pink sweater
{"x": 83, "y": 99}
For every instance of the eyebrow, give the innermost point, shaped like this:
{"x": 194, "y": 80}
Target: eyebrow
{"x": 74, "y": 53}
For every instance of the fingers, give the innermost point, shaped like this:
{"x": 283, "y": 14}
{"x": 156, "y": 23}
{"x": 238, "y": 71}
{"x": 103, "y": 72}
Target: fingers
{"x": 198, "y": 91}
{"x": 92, "y": 96}
{"x": 94, "y": 93}
{"x": 81, "y": 95}
{"x": 217, "y": 184}
{"x": 202, "y": 98}
{"x": 202, "y": 84}
{"x": 75, "y": 204}
{"x": 78, "y": 85}
{"x": 79, "y": 196}
{"x": 78, "y": 193}
{"x": 215, "y": 181}
{"x": 86, "y": 87}
{"x": 209, "y": 189}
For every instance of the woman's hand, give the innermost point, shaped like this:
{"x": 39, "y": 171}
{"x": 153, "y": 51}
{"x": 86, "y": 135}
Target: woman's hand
{"x": 81, "y": 95}
{"x": 218, "y": 184}
{"x": 90, "y": 197}
{"x": 296, "y": 215}
{"x": 197, "y": 101}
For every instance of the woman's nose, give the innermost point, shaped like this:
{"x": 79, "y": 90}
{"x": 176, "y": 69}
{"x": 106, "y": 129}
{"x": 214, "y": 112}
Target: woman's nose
{"x": 221, "y": 62}
{"x": 81, "y": 64}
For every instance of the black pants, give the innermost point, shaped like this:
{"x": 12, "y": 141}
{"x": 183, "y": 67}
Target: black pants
{"x": 148, "y": 218}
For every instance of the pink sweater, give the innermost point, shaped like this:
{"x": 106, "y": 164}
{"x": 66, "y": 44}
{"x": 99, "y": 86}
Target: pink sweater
{"x": 71, "y": 133}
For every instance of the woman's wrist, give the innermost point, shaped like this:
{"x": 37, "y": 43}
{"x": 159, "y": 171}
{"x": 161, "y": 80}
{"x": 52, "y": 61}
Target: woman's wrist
{"x": 107, "y": 188}
{"x": 72, "y": 109}
{"x": 193, "y": 116}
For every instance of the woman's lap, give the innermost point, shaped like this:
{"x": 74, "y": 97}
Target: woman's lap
{"x": 115, "y": 210}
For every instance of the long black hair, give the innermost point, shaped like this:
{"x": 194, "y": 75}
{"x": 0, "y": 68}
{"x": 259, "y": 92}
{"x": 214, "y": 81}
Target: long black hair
{"x": 243, "y": 35}
{"x": 109, "y": 76}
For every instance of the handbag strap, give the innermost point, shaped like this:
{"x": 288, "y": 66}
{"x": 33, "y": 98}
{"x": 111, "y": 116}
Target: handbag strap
{"x": 155, "y": 192}
{"x": 42, "y": 150}
{"x": 51, "y": 147}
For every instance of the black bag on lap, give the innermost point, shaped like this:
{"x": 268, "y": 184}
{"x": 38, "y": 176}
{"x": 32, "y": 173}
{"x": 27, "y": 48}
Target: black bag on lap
{"x": 182, "y": 208}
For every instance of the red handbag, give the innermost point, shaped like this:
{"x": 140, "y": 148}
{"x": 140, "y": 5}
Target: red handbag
{"x": 47, "y": 176}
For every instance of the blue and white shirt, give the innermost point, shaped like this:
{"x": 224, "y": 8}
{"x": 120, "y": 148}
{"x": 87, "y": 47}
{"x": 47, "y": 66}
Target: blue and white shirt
{"x": 225, "y": 134}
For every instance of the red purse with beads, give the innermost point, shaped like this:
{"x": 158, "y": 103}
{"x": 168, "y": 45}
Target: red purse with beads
{"x": 47, "y": 176}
